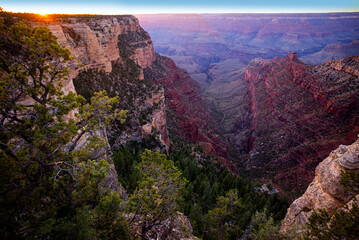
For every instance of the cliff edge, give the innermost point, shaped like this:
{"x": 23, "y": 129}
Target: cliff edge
{"x": 325, "y": 191}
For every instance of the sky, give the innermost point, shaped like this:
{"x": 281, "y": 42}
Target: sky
{"x": 178, "y": 6}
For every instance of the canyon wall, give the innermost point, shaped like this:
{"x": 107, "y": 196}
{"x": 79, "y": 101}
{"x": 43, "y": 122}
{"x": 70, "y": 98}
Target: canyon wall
{"x": 109, "y": 44}
{"x": 285, "y": 116}
{"x": 93, "y": 42}
{"x": 325, "y": 192}
{"x": 189, "y": 114}
{"x": 99, "y": 43}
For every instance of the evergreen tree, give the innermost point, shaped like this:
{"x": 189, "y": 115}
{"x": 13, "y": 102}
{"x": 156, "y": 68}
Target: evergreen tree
{"x": 222, "y": 220}
{"x": 49, "y": 188}
{"x": 159, "y": 190}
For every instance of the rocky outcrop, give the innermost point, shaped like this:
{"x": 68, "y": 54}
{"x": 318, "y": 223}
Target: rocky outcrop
{"x": 94, "y": 42}
{"x": 177, "y": 227}
{"x": 325, "y": 191}
{"x": 99, "y": 43}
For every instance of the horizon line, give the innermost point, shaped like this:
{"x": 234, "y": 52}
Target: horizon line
{"x": 182, "y": 13}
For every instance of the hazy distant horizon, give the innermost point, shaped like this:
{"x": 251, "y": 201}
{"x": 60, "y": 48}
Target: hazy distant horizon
{"x": 120, "y": 7}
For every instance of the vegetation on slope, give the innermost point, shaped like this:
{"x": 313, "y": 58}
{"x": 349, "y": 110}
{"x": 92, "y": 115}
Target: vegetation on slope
{"x": 50, "y": 189}
{"x": 208, "y": 182}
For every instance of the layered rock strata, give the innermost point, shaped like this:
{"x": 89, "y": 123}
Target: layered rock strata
{"x": 194, "y": 41}
{"x": 93, "y": 42}
{"x": 325, "y": 192}
{"x": 189, "y": 114}
{"x": 285, "y": 116}
{"x": 99, "y": 43}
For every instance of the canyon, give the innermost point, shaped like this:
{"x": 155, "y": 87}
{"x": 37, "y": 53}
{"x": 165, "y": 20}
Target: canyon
{"x": 257, "y": 106}
{"x": 275, "y": 119}
{"x": 291, "y": 115}
{"x": 117, "y": 55}
{"x": 195, "y": 41}
{"x": 282, "y": 113}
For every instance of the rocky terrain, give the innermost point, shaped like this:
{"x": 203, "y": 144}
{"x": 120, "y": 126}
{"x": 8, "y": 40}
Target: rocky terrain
{"x": 194, "y": 41}
{"x": 114, "y": 53}
{"x": 325, "y": 192}
{"x": 284, "y": 116}
{"x": 188, "y": 113}
{"x": 333, "y": 51}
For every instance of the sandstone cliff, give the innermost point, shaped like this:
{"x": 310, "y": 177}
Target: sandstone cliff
{"x": 325, "y": 191}
{"x": 94, "y": 42}
{"x": 99, "y": 43}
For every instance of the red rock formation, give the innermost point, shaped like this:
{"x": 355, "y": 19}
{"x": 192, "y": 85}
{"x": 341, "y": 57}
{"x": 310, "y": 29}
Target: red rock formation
{"x": 189, "y": 113}
{"x": 299, "y": 114}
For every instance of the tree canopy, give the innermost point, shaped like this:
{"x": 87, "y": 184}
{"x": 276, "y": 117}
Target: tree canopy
{"x": 159, "y": 190}
{"x": 49, "y": 185}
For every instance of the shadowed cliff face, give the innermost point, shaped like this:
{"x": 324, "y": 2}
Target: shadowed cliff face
{"x": 188, "y": 113}
{"x": 185, "y": 100}
{"x": 285, "y": 116}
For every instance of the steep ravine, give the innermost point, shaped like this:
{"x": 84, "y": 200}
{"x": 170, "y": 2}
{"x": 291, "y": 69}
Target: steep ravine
{"x": 285, "y": 116}
{"x": 188, "y": 113}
